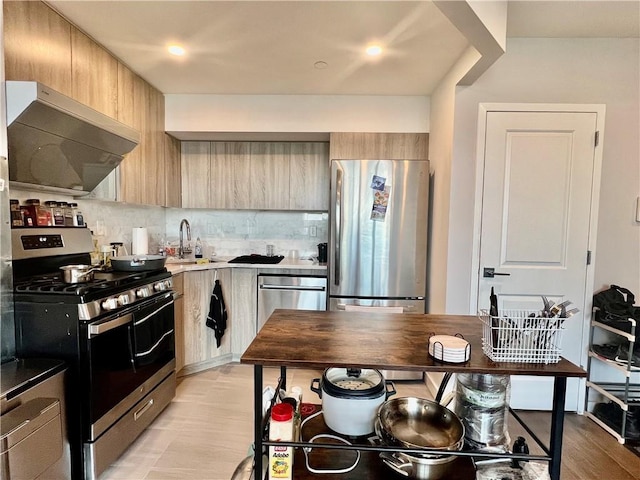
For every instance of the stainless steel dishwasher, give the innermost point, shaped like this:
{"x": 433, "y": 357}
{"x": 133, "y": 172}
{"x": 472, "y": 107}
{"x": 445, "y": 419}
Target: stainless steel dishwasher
{"x": 296, "y": 292}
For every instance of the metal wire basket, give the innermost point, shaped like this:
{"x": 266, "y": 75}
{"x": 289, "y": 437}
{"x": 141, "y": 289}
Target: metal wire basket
{"x": 521, "y": 336}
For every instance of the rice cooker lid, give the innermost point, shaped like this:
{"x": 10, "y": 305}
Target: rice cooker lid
{"x": 353, "y": 383}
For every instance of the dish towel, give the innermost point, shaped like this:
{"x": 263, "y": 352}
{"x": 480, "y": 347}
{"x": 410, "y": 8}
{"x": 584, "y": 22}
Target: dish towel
{"x": 217, "y": 318}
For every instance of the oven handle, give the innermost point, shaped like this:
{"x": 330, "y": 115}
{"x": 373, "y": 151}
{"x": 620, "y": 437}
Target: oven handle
{"x": 144, "y": 319}
{"x": 142, "y": 354}
{"x": 100, "y": 328}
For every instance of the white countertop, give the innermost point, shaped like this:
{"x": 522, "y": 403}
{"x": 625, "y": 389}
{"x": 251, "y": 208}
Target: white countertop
{"x": 188, "y": 265}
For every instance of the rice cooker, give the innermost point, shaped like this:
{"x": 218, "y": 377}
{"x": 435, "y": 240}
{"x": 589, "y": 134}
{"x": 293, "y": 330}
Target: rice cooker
{"x": 351, "y": 397}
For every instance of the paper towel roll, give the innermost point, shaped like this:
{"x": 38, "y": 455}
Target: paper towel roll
{"x": 139, "y": 241}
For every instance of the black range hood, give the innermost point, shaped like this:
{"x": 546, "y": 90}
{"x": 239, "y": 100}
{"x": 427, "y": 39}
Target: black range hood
{"x": 58, "y": 144}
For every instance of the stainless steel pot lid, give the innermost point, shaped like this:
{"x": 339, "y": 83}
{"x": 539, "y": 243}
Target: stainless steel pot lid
{"x": 353, "y": 382}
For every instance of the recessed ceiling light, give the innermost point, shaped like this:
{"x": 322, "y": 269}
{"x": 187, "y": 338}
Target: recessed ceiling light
{"x": 374, "y": 50}
{"x": 176, "y": 50}
{"x": 320, "y": 65}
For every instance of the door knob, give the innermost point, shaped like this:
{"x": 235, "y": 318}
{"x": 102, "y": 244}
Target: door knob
{"x": 490, "y": 272}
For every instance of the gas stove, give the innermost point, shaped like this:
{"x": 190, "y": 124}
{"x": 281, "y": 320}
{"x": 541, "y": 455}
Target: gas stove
{"x": 38, "y": 256}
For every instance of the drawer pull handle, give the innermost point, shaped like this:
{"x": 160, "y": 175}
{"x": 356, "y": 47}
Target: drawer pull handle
{"x": 140, "y": 412}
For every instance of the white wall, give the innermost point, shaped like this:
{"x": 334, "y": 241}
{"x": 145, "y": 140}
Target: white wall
{"x": 602, "y": 71}
{"x": 189, "y": 114}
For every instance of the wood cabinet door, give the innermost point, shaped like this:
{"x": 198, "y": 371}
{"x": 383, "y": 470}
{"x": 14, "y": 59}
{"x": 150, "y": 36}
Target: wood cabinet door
{"x": 94, "y": 74}
{"x": 173, "y": 175}
{"x": 178, "y": 316}
{"x": 153, "y": 165}
{"x": 37, "y": 45}
{"x": 244, "y": 307}
{"x": 309, "y": 176}
{"x": 131, "y": 111}
{"x": 195, "y": 173}
{"x": 269, "y": 178}
{"x": 197, "y": 293}
{"x": 229, "y": 175}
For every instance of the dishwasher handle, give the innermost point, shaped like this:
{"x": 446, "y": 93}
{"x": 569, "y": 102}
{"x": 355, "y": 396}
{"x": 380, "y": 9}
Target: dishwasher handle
{"x": 293, "y": 288}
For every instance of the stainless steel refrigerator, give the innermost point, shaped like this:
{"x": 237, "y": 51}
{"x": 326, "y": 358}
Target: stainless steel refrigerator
{"x": 378, "y": 235}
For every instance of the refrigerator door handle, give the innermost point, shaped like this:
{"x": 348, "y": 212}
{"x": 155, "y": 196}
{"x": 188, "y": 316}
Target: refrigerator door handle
{"x": 338, "y": 226}
{"x": 405, "y": 308}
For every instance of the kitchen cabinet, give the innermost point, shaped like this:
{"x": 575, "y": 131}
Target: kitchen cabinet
{"x": 375, "y": 146}
{"x": 244, "y": 297}
{"x": 42, "y": 45}
{"x": 309, "y": 176}
{"x": 94, "y": 74}
{"x": 178, "y": 288}
{"x": 173, "y": 187}
{"x": 195, "y": 168}
{"x": 230, "y": 171}
{"x": 320, "y": 339}
{"x": 37, "y": 45}
{"x": 255, "y": 175}
{"x": 621, "y": 394}
{"x": 200, "y": 348}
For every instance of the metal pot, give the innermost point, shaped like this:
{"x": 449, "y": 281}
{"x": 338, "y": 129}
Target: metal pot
{"x": 77, "y": 273}
{"x": 138, "y": 263}
{"x": 418, "y": 467}
{"x": 351, "y": 397}
{"x": 412, "y": 422}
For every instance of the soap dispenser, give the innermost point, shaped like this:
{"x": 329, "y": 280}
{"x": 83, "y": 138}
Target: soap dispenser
{"x": 198, "y": 250}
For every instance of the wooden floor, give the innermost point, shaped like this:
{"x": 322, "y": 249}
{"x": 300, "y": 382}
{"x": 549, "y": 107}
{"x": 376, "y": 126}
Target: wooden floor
{"x": 208, "y": 428}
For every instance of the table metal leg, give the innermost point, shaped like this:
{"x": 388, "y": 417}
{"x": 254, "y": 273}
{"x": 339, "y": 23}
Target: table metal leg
{"x": 257, "y": 421}
{"x": 557, "y": 425}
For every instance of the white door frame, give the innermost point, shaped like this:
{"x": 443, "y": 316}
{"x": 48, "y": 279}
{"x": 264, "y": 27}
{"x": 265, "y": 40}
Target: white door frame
{"x": 483, "y": 109}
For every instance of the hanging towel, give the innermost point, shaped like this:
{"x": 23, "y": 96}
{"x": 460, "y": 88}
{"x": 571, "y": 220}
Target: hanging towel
{"x": 217, "y": 318}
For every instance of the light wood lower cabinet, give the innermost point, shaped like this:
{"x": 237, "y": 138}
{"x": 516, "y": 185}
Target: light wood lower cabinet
{"x": 199, "y": 341}
{"x": 244, "y": 297}
{"x": 178, "y": 287}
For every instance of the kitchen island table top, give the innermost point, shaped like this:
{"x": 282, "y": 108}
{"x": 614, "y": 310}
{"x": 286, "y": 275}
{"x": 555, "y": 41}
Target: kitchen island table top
{"x": 391, "y": 341}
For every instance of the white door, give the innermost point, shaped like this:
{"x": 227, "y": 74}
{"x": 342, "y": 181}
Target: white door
{"x": 535, "y": 226}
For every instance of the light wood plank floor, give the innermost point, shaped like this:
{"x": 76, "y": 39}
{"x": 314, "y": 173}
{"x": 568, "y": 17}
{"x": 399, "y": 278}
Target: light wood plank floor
{"x": 208, "y": 428}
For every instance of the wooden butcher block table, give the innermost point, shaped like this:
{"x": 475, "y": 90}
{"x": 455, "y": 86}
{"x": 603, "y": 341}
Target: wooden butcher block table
{"x": 387, "y": 341}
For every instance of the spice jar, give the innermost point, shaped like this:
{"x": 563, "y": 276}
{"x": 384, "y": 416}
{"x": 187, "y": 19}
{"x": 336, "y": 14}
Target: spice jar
{"x": 16, "y": 214}
{"x": 38, "y": 215}
{"x": 68, "y": 214}
{"x": 281, "y": 429}
{"x": 78, "y": 218}
{"x": 57, "y": 214}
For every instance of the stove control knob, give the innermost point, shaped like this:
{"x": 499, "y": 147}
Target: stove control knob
{"x": 123, "y": 299}
{"x": 110, "y": 303}
{"x": 162, "y": 285}
{"x": 143, "y": 292}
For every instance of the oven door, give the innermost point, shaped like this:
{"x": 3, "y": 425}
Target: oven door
{"x": 127, "y": 356}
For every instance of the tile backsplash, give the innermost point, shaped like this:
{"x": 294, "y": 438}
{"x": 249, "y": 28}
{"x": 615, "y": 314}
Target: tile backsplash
{"x": 223, "y": 232}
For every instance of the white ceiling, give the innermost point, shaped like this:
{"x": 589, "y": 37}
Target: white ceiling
{"x": 270, "y": 47}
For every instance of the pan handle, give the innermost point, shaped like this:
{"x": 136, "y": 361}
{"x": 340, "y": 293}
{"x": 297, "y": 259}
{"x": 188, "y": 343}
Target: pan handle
{"x": 392, "y": 391}
{"x": 397, "y": 464}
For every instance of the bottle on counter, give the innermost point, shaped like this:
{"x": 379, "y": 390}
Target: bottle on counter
{"x": 281, "y": 429}
{"x": 68, "y": 214}
{"x": 198, "y": 248}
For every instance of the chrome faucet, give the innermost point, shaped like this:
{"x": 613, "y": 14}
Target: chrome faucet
{"x": 181, "y": 249}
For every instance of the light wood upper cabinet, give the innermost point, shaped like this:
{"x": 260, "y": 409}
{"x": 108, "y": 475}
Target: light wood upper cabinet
{"x": 270, "y": 175}
{"x": 196, "y": 174}
{"x": 94, "y": 74}
{"x": 309, "y": 176}
{"x": 37, "y": 45}
{"x": 173, "y": 186}
{"x": 230, "y": 170}
{"x": 154, "y": 161}
{"x": 255, "y": 175}
{"x": 379, "y": 146}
